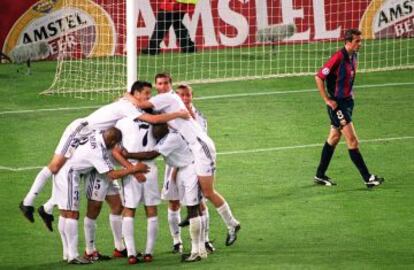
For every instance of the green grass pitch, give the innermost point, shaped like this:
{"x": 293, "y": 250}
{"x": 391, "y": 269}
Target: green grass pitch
{"x": 287, "y": 221}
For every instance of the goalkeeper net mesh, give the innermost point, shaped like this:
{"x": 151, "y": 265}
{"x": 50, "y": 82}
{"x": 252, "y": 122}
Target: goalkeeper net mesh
{"x": 224, "y": 40}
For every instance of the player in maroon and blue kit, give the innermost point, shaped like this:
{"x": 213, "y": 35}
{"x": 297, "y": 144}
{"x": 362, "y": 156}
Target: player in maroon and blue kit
{"x": 339, "y": 75}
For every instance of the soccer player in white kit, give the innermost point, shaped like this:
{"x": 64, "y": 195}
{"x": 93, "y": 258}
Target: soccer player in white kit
{"x": 137, "y": 137}
{"x": 178, "y": 155}
{"x": 92, "y": 154}
{"x": 170, "y": 190}
{"x": 101, "y": 119}
{"x": 201, "y": 146}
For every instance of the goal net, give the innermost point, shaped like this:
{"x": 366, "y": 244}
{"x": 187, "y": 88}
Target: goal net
{"x": 222, "y": 40}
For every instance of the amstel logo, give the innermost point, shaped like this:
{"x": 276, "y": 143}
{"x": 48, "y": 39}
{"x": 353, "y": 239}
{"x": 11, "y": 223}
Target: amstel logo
{"x": 79, "y": 29}
{"x": 388, "y": 18}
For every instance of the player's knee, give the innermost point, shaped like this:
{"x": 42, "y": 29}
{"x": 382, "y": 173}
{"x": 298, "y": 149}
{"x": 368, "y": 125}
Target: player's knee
{"x": 54, "y": 168}
{"x": 128, "y": 212}
{"x": 116, "y": 209}
{"x": 151, "y": 211}
{"x": 353, "y": 143}
{"x": 70, "y": 214}
{"x": 174, "y": 205}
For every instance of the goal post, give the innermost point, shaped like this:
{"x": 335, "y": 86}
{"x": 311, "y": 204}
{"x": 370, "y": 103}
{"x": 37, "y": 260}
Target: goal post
{"x": 118, "y": 41}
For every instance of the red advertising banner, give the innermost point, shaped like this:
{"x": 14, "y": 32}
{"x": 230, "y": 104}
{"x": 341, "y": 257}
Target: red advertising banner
{"x": 86, "y": 28}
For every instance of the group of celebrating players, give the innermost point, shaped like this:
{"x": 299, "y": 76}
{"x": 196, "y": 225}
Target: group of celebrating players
{"x": 129, "y": 134}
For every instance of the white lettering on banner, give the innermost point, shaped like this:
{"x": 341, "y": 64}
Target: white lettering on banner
{"x": 320, "y": 22}
{"x": 261, "y": 14}
{"x": 203, "y": 10}
{"x": 288, "y": 16}
{"x": 234, "y": 19}
{"x": 202, "y": 22}
{"x": 145, "y": 10}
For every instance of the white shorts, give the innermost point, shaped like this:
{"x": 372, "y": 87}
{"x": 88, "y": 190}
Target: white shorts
{"x": 67, "y": 143}
{"x": 188, "y": 186}
{"x": 65, "y": 191}
{"x": 169, "y": 190}
{"x": 97, "y": 186}
{"x": 205, "y": 156}
{"x": 147, "y": 193}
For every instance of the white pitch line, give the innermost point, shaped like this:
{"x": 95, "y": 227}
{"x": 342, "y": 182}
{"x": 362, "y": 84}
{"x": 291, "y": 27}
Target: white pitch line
{"x": 282, "y": 92}
{"x": 249, "y": 151}
{"x": 272, "y": 149}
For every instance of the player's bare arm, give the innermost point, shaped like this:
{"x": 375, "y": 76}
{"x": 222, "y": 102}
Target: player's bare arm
{"x": 321, "y": 87}
{"x": 142, "y": 155}
{"x": 165, "y": 117}
{"x": 137, "y": 168}
{"x": 117, "y": 153}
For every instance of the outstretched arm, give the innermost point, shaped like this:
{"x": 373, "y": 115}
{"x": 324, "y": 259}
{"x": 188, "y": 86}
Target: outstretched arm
{"x": 137, "y": 168}
{"x": 143, "y": 155}
{"x": 165, "y": 117}
{"x": 117, "y": 153}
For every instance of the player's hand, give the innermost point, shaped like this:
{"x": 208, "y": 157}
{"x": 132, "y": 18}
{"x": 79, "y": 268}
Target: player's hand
{"x": 140, "y": 177}
{"x": 140, "y": 168}
{"x": 331, "y": 103}
{"x": 184, "y": 114}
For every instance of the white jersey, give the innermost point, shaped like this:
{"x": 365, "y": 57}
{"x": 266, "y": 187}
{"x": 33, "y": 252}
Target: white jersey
{"x": 107, "y": 116}
{"x": 175, "y": 150}
{"x": 170, "y": 102}
{"x": 136, "y": 136}
{"x": 200, "y": 118}
{"x": 91, "y": 154}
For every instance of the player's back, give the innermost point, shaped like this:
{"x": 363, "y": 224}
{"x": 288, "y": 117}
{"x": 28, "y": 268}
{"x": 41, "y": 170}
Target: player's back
{"x": 136, "y": 135}
{"x": 170, "y": 102}
{"x": 91, "y": 153}
{"x": 107, "y": 116}
{"x": 175, "y": 150}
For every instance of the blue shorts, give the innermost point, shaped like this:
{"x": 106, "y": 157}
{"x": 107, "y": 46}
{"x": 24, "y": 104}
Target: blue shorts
{"x": 342, "y": 115}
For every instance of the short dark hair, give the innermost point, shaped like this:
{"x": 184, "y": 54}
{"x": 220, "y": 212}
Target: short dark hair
{"x": 350, "y": 33}
{"x": 139, "y": 86}
{"x": 185, "y": 86}
{"x": 164, "y": 75}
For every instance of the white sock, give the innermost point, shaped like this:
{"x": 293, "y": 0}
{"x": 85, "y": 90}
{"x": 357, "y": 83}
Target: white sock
{"x": 89, "y": 227}
{"x": 206, "y": 223}
{"x": 48, "y": 206}
{"x": 37, "y": 186}
{"x": 61, "y": 228}
{"x": 116, "y": 226}
{"x": 128, "y": 233}
{"x": 195, "y": 233}
{"x": 174, "y": 219}
{"x": 152, "y": 231}
{"x": 202, "y": 238}
{"x": 71, "y": 232}
{"x": 225, "y": 213}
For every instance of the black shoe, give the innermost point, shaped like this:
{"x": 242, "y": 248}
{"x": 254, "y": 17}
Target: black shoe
{"x": 47, "y": 218}
{"x": 184, "y": 223}
{"x": 151, "y": 51}
{"x": 177, "y": 248}
{"x": 209, "y": 247}
{"x": 374, "y": 181}
{"x": 79, "y": 260}
{"x": 232, "y": 235}
{"x": 324, "y": 181}
{"x": 27, "y": 211}
{"x": 193, "y": 257}
{"x": 191, "y": 49}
